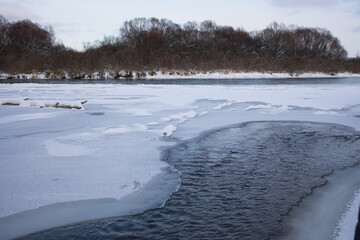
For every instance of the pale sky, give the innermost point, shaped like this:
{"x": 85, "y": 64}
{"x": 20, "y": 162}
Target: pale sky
{"x": 79, "y": 21}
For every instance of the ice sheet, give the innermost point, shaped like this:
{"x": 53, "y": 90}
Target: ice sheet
{"x": 26, "y": 117}
{"x": 332, "y": 209}
{"x": 112, "y": 147}
{"x": 347, "y": 223}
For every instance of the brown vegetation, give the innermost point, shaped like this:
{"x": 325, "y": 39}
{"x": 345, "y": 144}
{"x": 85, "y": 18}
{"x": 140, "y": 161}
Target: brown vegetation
{"x": 10, "y": 104}
{"x": 147, "y": 45}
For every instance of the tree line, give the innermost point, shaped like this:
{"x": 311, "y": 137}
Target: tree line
{"x": 154, "y": 44}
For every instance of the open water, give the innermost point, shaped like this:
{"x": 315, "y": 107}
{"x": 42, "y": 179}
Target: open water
{"x": 239, "y": 182}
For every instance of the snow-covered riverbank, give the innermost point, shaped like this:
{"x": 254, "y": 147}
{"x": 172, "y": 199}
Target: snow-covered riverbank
{"x": 111, "y": 148}
{"x": 225, "y": 74}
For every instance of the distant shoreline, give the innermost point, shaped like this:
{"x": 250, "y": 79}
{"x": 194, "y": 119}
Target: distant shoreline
{"x": 161, "y": 74}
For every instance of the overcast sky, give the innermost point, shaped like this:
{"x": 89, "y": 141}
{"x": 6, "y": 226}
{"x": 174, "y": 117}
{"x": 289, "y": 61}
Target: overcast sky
{"x": 78, "y": 21}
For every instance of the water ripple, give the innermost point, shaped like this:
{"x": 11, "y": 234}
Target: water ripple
{"x": 237, "y": 183}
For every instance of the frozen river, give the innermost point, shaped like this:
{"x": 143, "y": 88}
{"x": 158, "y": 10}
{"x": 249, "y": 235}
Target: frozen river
{"x": 63, "y": 166}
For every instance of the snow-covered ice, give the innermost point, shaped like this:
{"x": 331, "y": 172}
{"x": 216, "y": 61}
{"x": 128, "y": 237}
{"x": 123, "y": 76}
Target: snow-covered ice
{"x": 182, "y": 117}
{"x": 259, "y": 106}
{"x": 111, "y": 147}
{"x": 333, "y": 209}
{"x": 222, "y": 105}
{"x": 169, "y": 130}
{"x": 348, "y": 221}
{"x": 26, "y": 117}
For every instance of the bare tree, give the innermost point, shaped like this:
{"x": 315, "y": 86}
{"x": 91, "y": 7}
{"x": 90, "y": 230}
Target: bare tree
{"x": 151, "y": 43}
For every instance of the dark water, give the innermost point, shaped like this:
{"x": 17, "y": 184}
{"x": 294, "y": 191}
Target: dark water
{"x": 237, "y": 183}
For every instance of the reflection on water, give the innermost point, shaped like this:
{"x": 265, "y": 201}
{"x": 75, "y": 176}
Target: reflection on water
{"x": 237, "y": 183}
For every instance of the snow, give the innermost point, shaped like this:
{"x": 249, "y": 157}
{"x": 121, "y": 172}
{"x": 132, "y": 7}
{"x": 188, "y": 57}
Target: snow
{"x": 203, "y": 113}
{"x": 140, "y": 127}
{"x": 117, "y": 130}
{"x": 347, "y": 223}
{"x": 221, "y": 106}
{"x": 259, "y": 106}
{"x": 169, "y": 130}
{"x": 242, "y": 75}
{"x": 44, "y": 104}
{"x": 139, "y": 112}
{"x": 184, "y": 75}
{"x": 111, "y": 147}
{"x": 58, "y": 149}
{"x": 326, "y": 113}
{"x": 26, "y": 117}
{"x": 152, "y": 124}
{"x": 182, "y": 117}
{"x": 332, "y": 208}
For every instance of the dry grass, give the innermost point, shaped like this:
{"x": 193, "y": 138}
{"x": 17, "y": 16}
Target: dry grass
{"x": 10, "y": 104}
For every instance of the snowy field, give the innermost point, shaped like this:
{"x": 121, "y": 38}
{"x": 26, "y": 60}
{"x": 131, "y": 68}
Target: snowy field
{"x": 109, "y": 147}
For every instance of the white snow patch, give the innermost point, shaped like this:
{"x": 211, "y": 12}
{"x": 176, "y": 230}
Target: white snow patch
{"x": 259, "y": 106}
{"x": 118, "y": 130}
{"x": 279, "y": 109}
{"x": 152, "y": 123}
{"x": 203, "y": 113}
{"x": 169, "y": 130}
{"x": 140, "y": 127}
{"x": 243, "y": 75}
{"x": 326, "y": 113}
{"x": 182, "y": 117}
{"x": 222, "y": 105}
{"x": 78, "y": 104}
{"x": 345, "y": 229}
{"x": 137, "y": 127}
{"x": 268, "y": 108}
